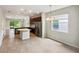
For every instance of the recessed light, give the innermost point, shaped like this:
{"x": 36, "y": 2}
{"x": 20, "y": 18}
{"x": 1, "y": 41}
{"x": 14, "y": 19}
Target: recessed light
{"x": 30, "y": 11}
{"x": 22, "y": 9}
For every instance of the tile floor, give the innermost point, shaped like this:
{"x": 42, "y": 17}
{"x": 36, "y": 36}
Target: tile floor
{"x": 34, "y": 45}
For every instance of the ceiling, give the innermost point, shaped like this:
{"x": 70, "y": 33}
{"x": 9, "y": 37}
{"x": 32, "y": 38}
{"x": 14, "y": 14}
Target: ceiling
{"x": 30, "y": 10}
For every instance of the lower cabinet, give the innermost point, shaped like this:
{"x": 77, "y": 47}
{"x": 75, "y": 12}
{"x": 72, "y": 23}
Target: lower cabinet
{"x": 12, "y": 33}
{"x": 25, "y": 34}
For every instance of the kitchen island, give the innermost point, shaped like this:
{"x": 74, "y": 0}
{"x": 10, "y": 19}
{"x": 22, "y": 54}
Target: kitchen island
{"x": 24, "y": 33}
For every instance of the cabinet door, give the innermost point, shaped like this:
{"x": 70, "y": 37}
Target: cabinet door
{"x": 11, "y": 33}
{"x": 25, "y": 35}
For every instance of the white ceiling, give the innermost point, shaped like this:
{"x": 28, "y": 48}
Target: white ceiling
{"x": 24, "y": 10}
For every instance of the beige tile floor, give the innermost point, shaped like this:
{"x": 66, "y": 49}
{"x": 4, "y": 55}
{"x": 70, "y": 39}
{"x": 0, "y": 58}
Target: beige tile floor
{"x": 34, "y": 45}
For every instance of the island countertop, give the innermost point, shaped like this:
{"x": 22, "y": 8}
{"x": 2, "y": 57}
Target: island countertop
{"x": 23, "y": 30}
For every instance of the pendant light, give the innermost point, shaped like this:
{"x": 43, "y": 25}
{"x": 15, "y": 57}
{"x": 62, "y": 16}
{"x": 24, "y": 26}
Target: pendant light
{"x": 49, "y": 15}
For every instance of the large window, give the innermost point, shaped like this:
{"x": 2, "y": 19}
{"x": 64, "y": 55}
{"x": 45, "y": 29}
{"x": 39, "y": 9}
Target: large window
{"x": 60, "y": 23}
{"x": 15, "y": 23}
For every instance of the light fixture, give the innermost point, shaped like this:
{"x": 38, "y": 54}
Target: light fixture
{"x": 30, "y": 11}
{"x": 22, "y": 9}
{"x": 49, "y": 17}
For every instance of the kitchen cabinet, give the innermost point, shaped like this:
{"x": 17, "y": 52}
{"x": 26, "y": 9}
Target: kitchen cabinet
{"x": 24, "y": 33}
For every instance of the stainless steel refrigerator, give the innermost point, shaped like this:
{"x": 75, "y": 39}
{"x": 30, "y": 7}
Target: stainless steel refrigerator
{"x": 38, "y": 29}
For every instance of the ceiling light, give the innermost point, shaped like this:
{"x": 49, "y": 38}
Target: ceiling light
{"x": 22, "y": 9}
{"x": 30, "y": 11}
{"x": 50, "y": 17}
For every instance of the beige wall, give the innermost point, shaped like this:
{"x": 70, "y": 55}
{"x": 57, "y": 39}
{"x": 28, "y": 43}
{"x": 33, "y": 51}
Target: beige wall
{"x": 43, "y": 24}
{"x": 72, "y": 37}
{"x": 2, "y": 27}
{"x": 2, "y": 21}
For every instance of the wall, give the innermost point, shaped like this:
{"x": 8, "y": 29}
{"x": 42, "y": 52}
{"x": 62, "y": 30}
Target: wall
{"x": 2, "y": 27}
{"x": 43, "y": 24}
{"x": 70, "y": 38}
{"x": 26, "y": 21}
{"x": 2, "y": 21}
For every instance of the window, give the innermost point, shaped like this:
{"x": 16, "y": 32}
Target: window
{"x": 15, "y": 23}
{"x": 60, "y": 23}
